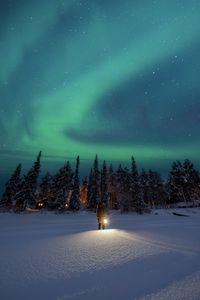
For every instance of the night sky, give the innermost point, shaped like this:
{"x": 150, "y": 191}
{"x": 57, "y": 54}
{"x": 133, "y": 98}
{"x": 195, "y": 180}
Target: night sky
{"x": 112, "y": 77}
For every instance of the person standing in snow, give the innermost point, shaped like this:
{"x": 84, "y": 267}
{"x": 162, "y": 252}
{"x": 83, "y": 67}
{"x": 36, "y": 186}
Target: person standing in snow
{"x": 101, "y": 213}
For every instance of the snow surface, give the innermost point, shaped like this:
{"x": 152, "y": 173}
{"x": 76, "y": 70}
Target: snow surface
{"x": 51, "y": 256}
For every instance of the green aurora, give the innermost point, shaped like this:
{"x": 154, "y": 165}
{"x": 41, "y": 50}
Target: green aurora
{"x": 117, "y": 78}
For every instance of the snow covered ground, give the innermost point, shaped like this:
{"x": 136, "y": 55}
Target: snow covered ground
{"x": 50, "y": 256}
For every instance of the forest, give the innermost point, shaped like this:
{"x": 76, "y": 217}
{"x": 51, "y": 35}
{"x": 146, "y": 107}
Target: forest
{"x": 124, "y": 189}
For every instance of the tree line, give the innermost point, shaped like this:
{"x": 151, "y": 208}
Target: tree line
{"x": 121, "y": 188}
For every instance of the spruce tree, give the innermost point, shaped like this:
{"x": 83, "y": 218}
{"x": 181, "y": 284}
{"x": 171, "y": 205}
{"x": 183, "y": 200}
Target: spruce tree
{"x": 61, "y": 187}
{"x": 94, "y": 188}
{"x": 61, "y": 195}
{"x": 112, "y": 188}
{"x": 162, "y": 196}
{"x": 104, "y": 185}
{"x": 89, "y": 191}
{"x": 11, "y": 190}
{"x": 27, "y": 194}
{"x": 191, "y": 181}
{"x": 156, "y": 190}
{"x": 176, "y": 182}
{"x": 137, "y": 202}
{"x": 124, "y": 189}
{"x": 152, "y": 189}
{"x": 144, "y": 184}
{"x": 45, "y": 189}
{"x": 74, "y": 203}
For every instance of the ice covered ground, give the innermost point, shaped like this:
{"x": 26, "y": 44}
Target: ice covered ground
{"x": 49, "y": 256}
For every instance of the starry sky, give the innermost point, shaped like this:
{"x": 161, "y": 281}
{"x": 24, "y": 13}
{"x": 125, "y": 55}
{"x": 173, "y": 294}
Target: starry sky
{"x": 116, "y": 78}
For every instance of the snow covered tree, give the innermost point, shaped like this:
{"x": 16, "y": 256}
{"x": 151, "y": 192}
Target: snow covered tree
{"x": 12, "y": 188}
{"x": 156, "y": 190}
{"x": 104, "y": 185}
{"x": 176, "y": 182}
{"x": 191, "y": 181}
{"x": 94, "y": 193}
{"x": 112, "y": 188}
{"x": 144, "y": 184}
{"x": 183, "y": 182}
{"x": 137, "y": 202}
{"x": 89, "y": 191}
{"x": 45, "y": 189}
{"x": 61, "y": 187}
{"x": 74, "y": 203}
{"x": 162, "y": 196}
{"x": 27, "y": 194}
{"x": 124, "y": 189}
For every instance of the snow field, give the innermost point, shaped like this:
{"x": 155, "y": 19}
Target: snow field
{"x": 49, "y": 256}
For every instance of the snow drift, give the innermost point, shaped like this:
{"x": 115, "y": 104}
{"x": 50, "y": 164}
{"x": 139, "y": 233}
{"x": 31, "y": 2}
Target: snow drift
{"x": 49, "y": 256}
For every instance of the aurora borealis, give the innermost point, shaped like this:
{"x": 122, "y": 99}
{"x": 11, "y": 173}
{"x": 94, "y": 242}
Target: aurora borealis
{"x": 116, "y": 78}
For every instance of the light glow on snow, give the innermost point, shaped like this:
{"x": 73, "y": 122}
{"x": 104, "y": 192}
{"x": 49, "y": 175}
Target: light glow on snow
{"x": 108, "y": 231}
{"x": 48, "y": 256}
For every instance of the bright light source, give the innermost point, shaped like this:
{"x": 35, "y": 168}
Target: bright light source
{"x": 105, "y": 221}
{"x": 66, "y": 205}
